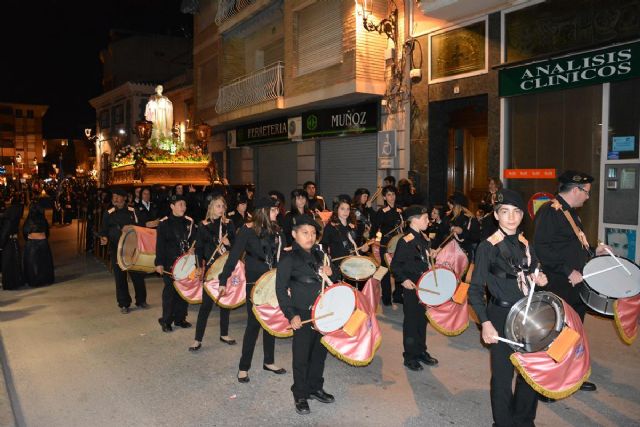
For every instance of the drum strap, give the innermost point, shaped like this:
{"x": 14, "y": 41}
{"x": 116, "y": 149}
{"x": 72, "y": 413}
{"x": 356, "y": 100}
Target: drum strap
{"x": 579, "y": 233}
{"x": 508, "y": 255}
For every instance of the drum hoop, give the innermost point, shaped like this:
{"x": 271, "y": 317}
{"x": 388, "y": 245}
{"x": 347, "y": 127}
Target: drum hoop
{"x": 313, "y": 307}
{"x": 126, "y": 230}
{"x": 591, "y": 289}
{"x": 375, "y": 264}
{"x": 555, "y": 302}
{"x": 438, "y": 267}
{"x": 178, "y": 260}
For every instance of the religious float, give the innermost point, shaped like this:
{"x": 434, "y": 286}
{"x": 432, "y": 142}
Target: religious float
{"x": 161, "y": 156}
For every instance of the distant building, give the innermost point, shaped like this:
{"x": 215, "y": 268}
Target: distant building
{"x": 21, "y": 143}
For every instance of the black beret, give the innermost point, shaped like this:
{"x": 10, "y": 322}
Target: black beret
{"x": 575, "y": 177}
{"x": 299, "y": 193}
{"x": 300, "y": 220}
{"x": 340, "y": 198}
{"x": 176, "y": 198}
{"x": 457, "y": 198}
{"x": 265, "y": 202}
{"x": 242, "y": 198}
{"x": 414, "y": 210}
{"x": 360, "y": 192}
{"x": 510, "y": 197}
{"x": 119, "y": 192}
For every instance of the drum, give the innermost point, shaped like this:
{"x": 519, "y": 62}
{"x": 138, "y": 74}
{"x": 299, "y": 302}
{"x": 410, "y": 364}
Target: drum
{"x": 333, "y": 308}
{"x": 264, "y": 291}
{"x": 436, "y": 286}
{"x": 545, "y": 321}
{"x": 216, "y": 268}
{"x": 391, "y": 248}
{"x": 185, "y": 267}
{"x": 235, "y": 294}
{"x": 137, "y": 249}
{"x": 358, "y": 268}
{"x": 601, "y": 290}
{"x": 266, "y": 307}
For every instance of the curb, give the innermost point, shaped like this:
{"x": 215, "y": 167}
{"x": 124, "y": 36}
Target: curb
{"x": 7, "y": 414}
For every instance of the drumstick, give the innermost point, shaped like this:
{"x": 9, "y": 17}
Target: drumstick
{"x": 315, "y": 318}
{"x": 617, "y": 260}
{"x": 167, "y": 273}
{"x": 509, "y": 341}
{"x": 446, "y": 240}
{"x": 586, "y": 276}
{"x": 531, "y": 288}
{"x": 428, "y": 290}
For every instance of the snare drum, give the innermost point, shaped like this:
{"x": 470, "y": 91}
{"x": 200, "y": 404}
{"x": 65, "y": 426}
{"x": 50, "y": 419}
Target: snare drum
{"x": 264, "y": 291}
{"x": 333, "y": 308}
{"x": 545, "y": 321}
{"x": 137, "y": 249}
{"x": 235, "y": 293}
{"x": 185, "y": 267}
{"x": 436, "y": 286}
{"x": 358, "y": 268}
{"x": 266, "y": 307}
{"x": 391, "y": 248}
{"x": 601, "y": 290}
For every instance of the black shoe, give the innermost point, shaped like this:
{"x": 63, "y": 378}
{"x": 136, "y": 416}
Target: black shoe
{"x": 124, "y": 310}
{"x": 302, "y": 406}
{"x": 143, "y": 305}
{"x": 427, "y": 359}
{"x": 587, "y": 386}
{"x": 278, "y": 371}
{"x": 398, "y": 300}
{"x": 414, "y": 365}
{"x": 386, "y": 302}
{"x": 183, "y": 324}
{"x": 230, "y": 342}
{"x": 165, "y": 327}
{"x": 322, "y": 396}
{"x": 243, "y": 380}
{"x": 545, "y": 399}
{"x": 195, "y": 347}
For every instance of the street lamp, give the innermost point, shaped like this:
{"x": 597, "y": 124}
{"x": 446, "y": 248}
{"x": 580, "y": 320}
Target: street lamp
{"x": 388, "y": 26}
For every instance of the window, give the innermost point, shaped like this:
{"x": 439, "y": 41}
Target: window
{"x": 104, "y": 119}
{"x": 18, "y": 112}
{"x": 624, "y": 117}
{"x": 6, "y": 110}
{"x": 6, "y": 143}
{"x": 319, "y": 36}
{"x": 29, "y": 114}
{"x": 6, "y": 127}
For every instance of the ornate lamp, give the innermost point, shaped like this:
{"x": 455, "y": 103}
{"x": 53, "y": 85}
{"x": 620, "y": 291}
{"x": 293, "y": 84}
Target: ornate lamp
{"x": 143, "y": 130}
{"x": 203, "y": 132}
{"x": 388, "y": 26}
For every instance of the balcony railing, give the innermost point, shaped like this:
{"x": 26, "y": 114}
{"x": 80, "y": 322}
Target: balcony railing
{"x": 262, "y": 85}
{"x": 228, "y": 8}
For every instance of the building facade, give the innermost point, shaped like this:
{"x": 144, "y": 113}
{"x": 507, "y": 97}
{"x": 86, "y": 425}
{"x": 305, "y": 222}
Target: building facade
{"x": 295, "y": 90}
{"x": 21, "y": 143}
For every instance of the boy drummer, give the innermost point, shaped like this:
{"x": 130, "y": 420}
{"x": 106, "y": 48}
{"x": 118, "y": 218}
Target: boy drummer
{"x": 299, "y": 275}
{"x": 501, "y": 263}
{"x": 409, "y": 263}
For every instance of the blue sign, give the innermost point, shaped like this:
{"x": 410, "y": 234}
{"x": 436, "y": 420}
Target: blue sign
{"x": 624, "y": 143}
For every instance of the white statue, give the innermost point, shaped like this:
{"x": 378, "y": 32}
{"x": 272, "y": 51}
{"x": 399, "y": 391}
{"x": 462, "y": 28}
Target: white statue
{"x": 159, "y": 110}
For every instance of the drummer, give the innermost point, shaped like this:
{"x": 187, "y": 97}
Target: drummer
{"x": 463, "y": 223}
{"x": 241, "y": 214}
{"x": 175, "y": 237}
{"x": 261, "y": 243}
{"x": 438, "y": 227}
{"x": 112, "y": 222}
{"x": 215, "y": 235}
{"x": 563, "y": 254}
{"x": 363, "y": 211}
{"x": 388, "y": 221}
{"x": 316, "y": 201}
{"x": 409, "y": 262}
{"x": 299, "y": 206}
{"x": 499, "y": 265}
{"x": 341, "y": 235}
{"x": 298, "y": 284}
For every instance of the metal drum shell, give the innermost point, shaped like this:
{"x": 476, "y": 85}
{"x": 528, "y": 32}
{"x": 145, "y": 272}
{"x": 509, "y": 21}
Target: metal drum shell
{"x": 140, "y": 261}
{"x": 542, "y": 325}
{"x": 595, "y": 299}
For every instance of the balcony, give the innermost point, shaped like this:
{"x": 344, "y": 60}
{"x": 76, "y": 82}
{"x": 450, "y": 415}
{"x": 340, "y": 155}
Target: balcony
{"x": 227, "y": 9}
{"x": 263, "y": 85}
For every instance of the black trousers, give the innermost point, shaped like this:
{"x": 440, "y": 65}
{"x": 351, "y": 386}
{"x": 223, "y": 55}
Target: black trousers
{"x": 251, "y": 336}
{"x": 174, "y": 308}
{"x": 203, "y": 317}
{"x": 509, "y": 408}
{"x": 559, "y": 285}
{"x": 414, "y": 326}
{"x": 308, "y": 360}
{"x": 386, "y": 284}
{"x": 122, "y": 286}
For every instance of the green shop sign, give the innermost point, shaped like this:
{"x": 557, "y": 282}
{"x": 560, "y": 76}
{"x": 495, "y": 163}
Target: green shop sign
{"x": 595, "y": 67}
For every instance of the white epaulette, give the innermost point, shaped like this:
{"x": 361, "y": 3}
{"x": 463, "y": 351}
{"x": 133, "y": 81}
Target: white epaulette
{"x": 112, "y": 210}
{"x": 163, "y": 219}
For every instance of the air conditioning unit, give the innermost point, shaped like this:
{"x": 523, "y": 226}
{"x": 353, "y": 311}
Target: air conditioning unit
{"x": 294, "y": 128}
{"x": 231, "y": 138}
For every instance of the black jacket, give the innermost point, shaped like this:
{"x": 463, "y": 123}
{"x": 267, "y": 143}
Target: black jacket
{"x": 335, "y": 239}
{"x": 175, "y": 236}
{"x": 385, "y": 220}
{"x": 113, "y": 221}
{"x": 410, "y": 260}
{"x": 145, "y": 215}
{"x": 208, "y": 238}
{"x": 298, "y": 274}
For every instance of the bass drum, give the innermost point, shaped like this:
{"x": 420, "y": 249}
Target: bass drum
{"x": 137, "y": 249}
{"x": 545, "y": 321}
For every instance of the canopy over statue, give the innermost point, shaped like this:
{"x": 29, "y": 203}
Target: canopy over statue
{"x": 159, "y": 110}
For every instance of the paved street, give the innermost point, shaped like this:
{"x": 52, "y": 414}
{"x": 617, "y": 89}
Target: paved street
{"x": 74, "y": 360}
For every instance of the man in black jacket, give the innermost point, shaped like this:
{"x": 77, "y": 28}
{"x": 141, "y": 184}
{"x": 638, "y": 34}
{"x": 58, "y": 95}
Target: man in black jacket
{"x": 113, "y": 221}
{"x": 299, "y": 273}
{"x": 176, "y": 233}
{"x": 146, "y": 210}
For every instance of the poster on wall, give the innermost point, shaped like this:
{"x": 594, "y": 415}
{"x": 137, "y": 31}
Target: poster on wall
{"x": 622, "y": 241}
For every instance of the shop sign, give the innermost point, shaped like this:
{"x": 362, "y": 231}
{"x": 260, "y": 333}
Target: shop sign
{"x": 530, "y": 173}
{"x": 262, "y": 132}
{"x": 595, "y": 67}
{"x": 341, "y": 121}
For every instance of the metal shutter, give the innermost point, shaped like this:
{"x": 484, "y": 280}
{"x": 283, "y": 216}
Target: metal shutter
{"x": 234, "y": 169}
{"x": 276, "y": 169}
{"x": 319, "y": 36}
{"x": 347, "y": 164}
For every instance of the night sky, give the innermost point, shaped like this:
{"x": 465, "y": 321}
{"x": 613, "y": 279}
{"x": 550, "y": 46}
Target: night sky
{"x": 50, "y": 52}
